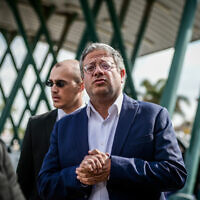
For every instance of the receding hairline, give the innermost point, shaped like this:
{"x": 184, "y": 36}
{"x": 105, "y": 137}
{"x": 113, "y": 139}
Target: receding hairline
{"x": 72, "y": 66}
{"x": 65, "y": 62}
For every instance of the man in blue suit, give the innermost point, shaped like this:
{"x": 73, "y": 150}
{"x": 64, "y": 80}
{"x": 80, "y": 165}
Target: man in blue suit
{"x": 116, "y": 148}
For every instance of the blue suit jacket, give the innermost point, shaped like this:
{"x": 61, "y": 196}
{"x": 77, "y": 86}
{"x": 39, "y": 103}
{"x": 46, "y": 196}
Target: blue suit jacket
{"x": 145, "y": 157}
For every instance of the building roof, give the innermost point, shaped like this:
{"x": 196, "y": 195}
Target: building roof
{"x": 160, "y": 34}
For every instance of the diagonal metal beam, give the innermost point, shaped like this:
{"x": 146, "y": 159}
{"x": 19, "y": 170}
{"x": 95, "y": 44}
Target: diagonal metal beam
{"x": 68, "y": 22}
{"x": 191, "y": 161}
{"x": 122, "y": 15}
{"x": 118, "y": 34}
{"x": 141, "y": 31}
{"x": 16, "y": 127}
{"x": 48, "y": 14}
{"x": 85, "y": 36}
{"x": 89, "y": 19}
{"x": 184, "y": 35}
{"x": 17, "y": 84}
{"x": 15, "y": 66}
{"x": 8, "y": 45}
{"x": 38, "y": 9}
{"x": 192, "y": 154}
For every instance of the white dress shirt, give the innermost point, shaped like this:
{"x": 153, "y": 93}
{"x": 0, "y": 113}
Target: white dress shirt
{"x": 101, "y": 134}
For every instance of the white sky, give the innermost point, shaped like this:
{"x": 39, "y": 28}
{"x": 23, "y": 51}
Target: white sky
{"x": 151, "y": 67}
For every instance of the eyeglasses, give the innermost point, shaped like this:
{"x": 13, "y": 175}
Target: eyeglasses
{"x": 58, "y": 83}
{"x": 90, "y": 68}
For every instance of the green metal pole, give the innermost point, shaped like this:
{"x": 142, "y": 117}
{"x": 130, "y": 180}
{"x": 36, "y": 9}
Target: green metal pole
{"x": 191, "y": 160}
{"x": 68, "y": 22}
{"x": 15, "y": 66}
{"x": 122, "y": 15}
{"x": 141, "y": 32}
{"x": 85, "y": 35}
{"x": 89, "y": 19}
{"x": 121, "y": 46}
{"x": 38, "y": 8}
{"x": 16, "y": 127}
{"x": 168, "y": 98}
{"x": 17, "y": 84}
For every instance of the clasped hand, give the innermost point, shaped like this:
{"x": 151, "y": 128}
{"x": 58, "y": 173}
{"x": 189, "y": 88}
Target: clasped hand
{"x": 94, "y": 168}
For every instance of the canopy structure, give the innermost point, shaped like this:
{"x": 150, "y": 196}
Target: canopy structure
{"x": 136, "y": 28}
{"x": 161, "y": 30}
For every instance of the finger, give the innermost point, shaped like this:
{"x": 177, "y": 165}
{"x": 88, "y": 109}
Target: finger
{"x": 94, "y": 163}
{"x": 100, "y": 158}
{"x": 94, "y": 151}
{"x": 98, "y": 161}
{"x": 86, "y": 166}
{"x": 94, "y": 179}
{"x": 85, "y": 182}
{"x": 84, "y": 175}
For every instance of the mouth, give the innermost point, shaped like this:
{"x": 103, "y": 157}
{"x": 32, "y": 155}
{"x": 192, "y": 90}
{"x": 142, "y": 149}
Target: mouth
{"x": 55, "y": 98}
{"x": 99, "y": 81}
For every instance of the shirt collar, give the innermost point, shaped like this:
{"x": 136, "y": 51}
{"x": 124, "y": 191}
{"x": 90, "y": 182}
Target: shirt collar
{"x": 117, "y": 104}
{"x": 61, "y": 112}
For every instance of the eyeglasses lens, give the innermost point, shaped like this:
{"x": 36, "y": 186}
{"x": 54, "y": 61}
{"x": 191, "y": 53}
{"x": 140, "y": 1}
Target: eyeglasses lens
{"x": 92, "y": 67}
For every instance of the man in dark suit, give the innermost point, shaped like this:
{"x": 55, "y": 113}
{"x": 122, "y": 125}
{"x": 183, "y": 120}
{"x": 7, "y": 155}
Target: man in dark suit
{"x": 66, "y": 90}
{"x": 116, "y": 148}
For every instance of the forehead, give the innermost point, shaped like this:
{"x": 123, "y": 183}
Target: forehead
{"x": 60, "y": 72}
{"x": 97, "y": 54}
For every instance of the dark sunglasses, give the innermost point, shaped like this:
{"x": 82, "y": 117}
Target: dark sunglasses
{"x": 58, "y": 83}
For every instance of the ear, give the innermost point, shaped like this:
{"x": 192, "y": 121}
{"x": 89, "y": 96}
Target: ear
{"x": 122, "y": 74}
{"x": 82, "y": 86}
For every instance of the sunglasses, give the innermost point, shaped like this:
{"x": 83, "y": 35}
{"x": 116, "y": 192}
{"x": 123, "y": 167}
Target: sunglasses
{"x": 58, "y": 83}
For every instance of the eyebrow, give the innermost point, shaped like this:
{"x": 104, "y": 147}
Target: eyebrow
{"x": 100, "y": 61}
{"x": 58, "y": 80}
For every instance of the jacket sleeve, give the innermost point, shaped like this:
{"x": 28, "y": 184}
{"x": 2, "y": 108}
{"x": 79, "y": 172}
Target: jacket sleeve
{"x": 9, "y": 188}
{"x": 55, "y": 182}
{"x": 25, "y": 166}
{"x": 165, "y": 171}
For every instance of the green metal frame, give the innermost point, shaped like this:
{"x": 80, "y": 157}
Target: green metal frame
{"x": 118, "y": 35}
{"x": 30, "y": 46}
{"x": 85, "y": 36}
{"x": 168, "y": 99}
{"x": 122, "y": 15}
{"x": 141, "y": 31}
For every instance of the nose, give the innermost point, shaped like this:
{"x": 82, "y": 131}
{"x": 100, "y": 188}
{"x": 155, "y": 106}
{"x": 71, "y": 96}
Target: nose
{"x": 98, "y": 71}
{"x": 54, "y": 88}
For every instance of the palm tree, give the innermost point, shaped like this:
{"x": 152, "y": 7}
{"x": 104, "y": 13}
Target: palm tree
{"x": 153, "y": 93}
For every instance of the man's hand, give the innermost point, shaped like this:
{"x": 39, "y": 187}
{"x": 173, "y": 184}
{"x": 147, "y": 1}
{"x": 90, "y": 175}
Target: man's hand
{"x": 94, "y": 168}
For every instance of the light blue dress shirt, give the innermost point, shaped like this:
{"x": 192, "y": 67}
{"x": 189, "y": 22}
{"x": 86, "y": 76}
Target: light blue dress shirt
{"x": 101, "y": 134}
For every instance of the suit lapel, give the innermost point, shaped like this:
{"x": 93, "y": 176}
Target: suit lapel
{"x": 82, "y": 133}
{"x": 126, "y": 118}
{"x": 50, "y": 121}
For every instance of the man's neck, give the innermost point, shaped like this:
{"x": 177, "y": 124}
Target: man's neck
{"x": 73, "y": 108}
{"x": 102, "y": 105}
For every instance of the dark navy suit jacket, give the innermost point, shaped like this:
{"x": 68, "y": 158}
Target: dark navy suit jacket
{"x": 145, "y": 157}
